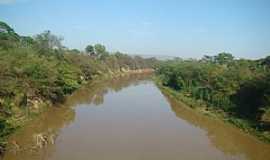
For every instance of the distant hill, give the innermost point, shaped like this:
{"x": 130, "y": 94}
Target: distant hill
{"x": 158, "y": 57}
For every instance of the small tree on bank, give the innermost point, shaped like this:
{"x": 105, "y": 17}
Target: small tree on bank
{"x": 90, "y": 50}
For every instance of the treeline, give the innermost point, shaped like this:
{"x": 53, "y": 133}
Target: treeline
{"x": 238, "y": 88}
{"x": 39, "y": 69}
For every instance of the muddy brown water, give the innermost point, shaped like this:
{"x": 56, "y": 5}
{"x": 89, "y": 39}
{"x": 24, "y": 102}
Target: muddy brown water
{"x": 129, "y": 118}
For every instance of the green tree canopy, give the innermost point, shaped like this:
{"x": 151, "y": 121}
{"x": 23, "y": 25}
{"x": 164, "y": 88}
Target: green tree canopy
{"x": 90, "y": 50}
{"x": 8, "y": 37}
{"x": 100, "y": 51}
{"x": 223, "y": 58}
{"x": 48, "y": 41}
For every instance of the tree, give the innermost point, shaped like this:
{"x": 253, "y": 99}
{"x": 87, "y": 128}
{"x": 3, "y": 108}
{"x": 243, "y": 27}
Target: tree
{"x": 8, "y": 37}
{"x": 75, "y": 51}
{"x": 223, "y": 58}
{"x": 100, "y": 51}
{"x": 266, "y": 61}
{"x": 47, "y": 41}
{"x": 27, "y": 41}
{"x": 90, "y": 50}
{"x": 207, "y": 59}
{"x": 5, "y": 28}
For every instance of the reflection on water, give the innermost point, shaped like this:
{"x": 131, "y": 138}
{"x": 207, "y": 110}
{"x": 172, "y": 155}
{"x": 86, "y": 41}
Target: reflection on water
{"x": 23, "y": 143}
{"x": 94, "y": 92}
{"x": 129, "y": 118}
{"x": 224, "y": 136}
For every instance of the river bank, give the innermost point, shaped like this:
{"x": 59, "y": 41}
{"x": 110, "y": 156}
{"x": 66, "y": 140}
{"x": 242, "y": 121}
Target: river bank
{"x": 39, "y": 71}
{"x": 129, "y": 117}
{"x": 201, "y": 107}
{"x": 37, "y": 105}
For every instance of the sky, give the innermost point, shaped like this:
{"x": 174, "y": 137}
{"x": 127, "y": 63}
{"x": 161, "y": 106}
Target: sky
{"x": 183, "y": 28}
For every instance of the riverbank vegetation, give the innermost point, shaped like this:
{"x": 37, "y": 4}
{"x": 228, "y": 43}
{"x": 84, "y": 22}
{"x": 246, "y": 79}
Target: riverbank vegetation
{"x": 39, "y": 71}
{"x": 236, "y": 89}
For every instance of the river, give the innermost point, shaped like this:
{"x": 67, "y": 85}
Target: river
{"x": 129, "y": 118}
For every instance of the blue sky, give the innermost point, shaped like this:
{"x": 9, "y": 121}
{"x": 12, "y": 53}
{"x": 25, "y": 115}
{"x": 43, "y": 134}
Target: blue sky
{"x": 184, "y": 28}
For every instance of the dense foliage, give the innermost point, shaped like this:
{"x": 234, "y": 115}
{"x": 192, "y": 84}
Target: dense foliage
{"x": 239, "y": 88}
{"x": 40, "y": 70}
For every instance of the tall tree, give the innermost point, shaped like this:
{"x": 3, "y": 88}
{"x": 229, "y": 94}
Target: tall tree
{"x": 90, "y": 50}
{"x": 100, "y": 50}
{"x": 47, "y": 41}
{"x": 224, "y": 58}
{"x": 8, "y": 37}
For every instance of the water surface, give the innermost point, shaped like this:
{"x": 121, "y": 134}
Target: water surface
{"x": 129, "y": 118}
